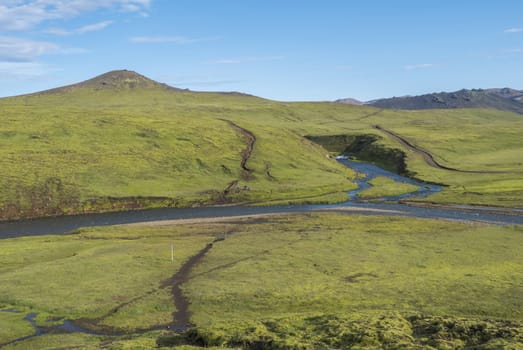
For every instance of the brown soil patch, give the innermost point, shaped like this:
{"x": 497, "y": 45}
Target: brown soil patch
{"x": 354, "y": 278}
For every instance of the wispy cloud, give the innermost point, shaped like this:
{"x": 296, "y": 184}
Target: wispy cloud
{"x": 168, "y": 39}
{"x": 17, "y": 49}
{"x": 20, "y": 15}
{"x": 82, "y": 30}
{"x": 246, "y": 60}
{"x": 419, "y": 66}
{"x": 513, "y": 30}
{"x": 23, "y": 70}
{"x": 24, "y": 50}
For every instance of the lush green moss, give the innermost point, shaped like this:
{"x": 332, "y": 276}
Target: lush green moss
{"x": 13, "y": 326}
{"x": 282, "y": 282}
{"x": 390, "y": 331}
{"x": 383, "y": 186}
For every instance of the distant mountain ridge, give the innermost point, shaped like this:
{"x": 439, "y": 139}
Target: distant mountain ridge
{"x": 351, "y": 101}
{"x": 505, "y": 99}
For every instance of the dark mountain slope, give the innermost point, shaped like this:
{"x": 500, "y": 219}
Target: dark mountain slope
{"x": 505, "y": 99}
{"x": 502, "y": 99}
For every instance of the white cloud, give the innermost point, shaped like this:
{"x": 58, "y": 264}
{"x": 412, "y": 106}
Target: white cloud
{"x": 246, "y": 60}
{"x": 19, "y": 15}
{"x": 419, "y": 66}
{"x": 17, "y": 49}
{"x": 514, "y": 30}
{"x": 23, "y": 70}
{"x": 167, "y": 39}
{"x": 82, "y": 30}
{"x": 25, "y": 51}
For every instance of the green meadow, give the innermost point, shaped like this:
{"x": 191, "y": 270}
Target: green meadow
{"x": 92, "y": 149}
{"x": 383, "y": 186}
{"x": 309, "y": 281}
{"x": 304, "y": 281}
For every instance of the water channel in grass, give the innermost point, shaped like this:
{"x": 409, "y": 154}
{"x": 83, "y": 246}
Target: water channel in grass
{"x": 383, "y": 206}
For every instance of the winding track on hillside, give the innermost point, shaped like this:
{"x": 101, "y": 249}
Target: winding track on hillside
{"x": 427, "y": 156}
{"x": 249, "y": 139}
{"x": 370, "y": 115}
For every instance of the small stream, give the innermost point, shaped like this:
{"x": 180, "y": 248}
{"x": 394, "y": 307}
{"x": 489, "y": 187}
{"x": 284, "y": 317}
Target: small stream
{"x": 371, "y": 171}
{"x": 66, "y": 326}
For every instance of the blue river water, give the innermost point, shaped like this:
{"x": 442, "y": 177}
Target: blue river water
{"x": 384, "y": 206}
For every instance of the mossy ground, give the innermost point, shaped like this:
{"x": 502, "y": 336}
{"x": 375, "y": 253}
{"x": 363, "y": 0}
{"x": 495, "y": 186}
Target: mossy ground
{"x": 383, "y": 186}
{"x": 286, "y": 282}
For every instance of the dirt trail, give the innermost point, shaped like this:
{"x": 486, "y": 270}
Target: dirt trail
{"x": 427, "y": 156}
{"x": 182, "y": 316}
{"x": 370, "y": 115}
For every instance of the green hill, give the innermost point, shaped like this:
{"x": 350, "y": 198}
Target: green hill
{"x": 122, "y": 141}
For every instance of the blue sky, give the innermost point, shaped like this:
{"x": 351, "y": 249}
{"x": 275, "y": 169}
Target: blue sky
{"x": 278, "y": 49}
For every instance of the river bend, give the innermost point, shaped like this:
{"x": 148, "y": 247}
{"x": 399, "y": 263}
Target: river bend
{"x": 384, "y": 206}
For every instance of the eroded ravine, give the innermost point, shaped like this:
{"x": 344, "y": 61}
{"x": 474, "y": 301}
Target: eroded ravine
{"x": 246, "y": 173}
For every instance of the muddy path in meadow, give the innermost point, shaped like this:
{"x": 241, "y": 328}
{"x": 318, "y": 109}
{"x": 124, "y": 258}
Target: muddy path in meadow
{"x": 429, "y": 157}
{"x": 182, "y": 315}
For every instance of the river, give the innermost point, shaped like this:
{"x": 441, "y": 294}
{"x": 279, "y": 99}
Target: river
{"x": 384, "y": 206}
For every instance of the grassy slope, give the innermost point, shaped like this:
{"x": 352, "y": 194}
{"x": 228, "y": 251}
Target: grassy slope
{"x": 13, "y": 326}
{"x": 484, "y": 140}
{"x": 93, "y": 150}
{"x": 147, "y": 143}
{"x": 305, "y": 266}
{"x": 293, "y": 279}
{"x": 383, "y": 186}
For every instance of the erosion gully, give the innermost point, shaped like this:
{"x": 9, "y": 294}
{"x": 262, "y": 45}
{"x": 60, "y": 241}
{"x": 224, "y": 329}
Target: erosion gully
{"x": 391, "y": 206}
